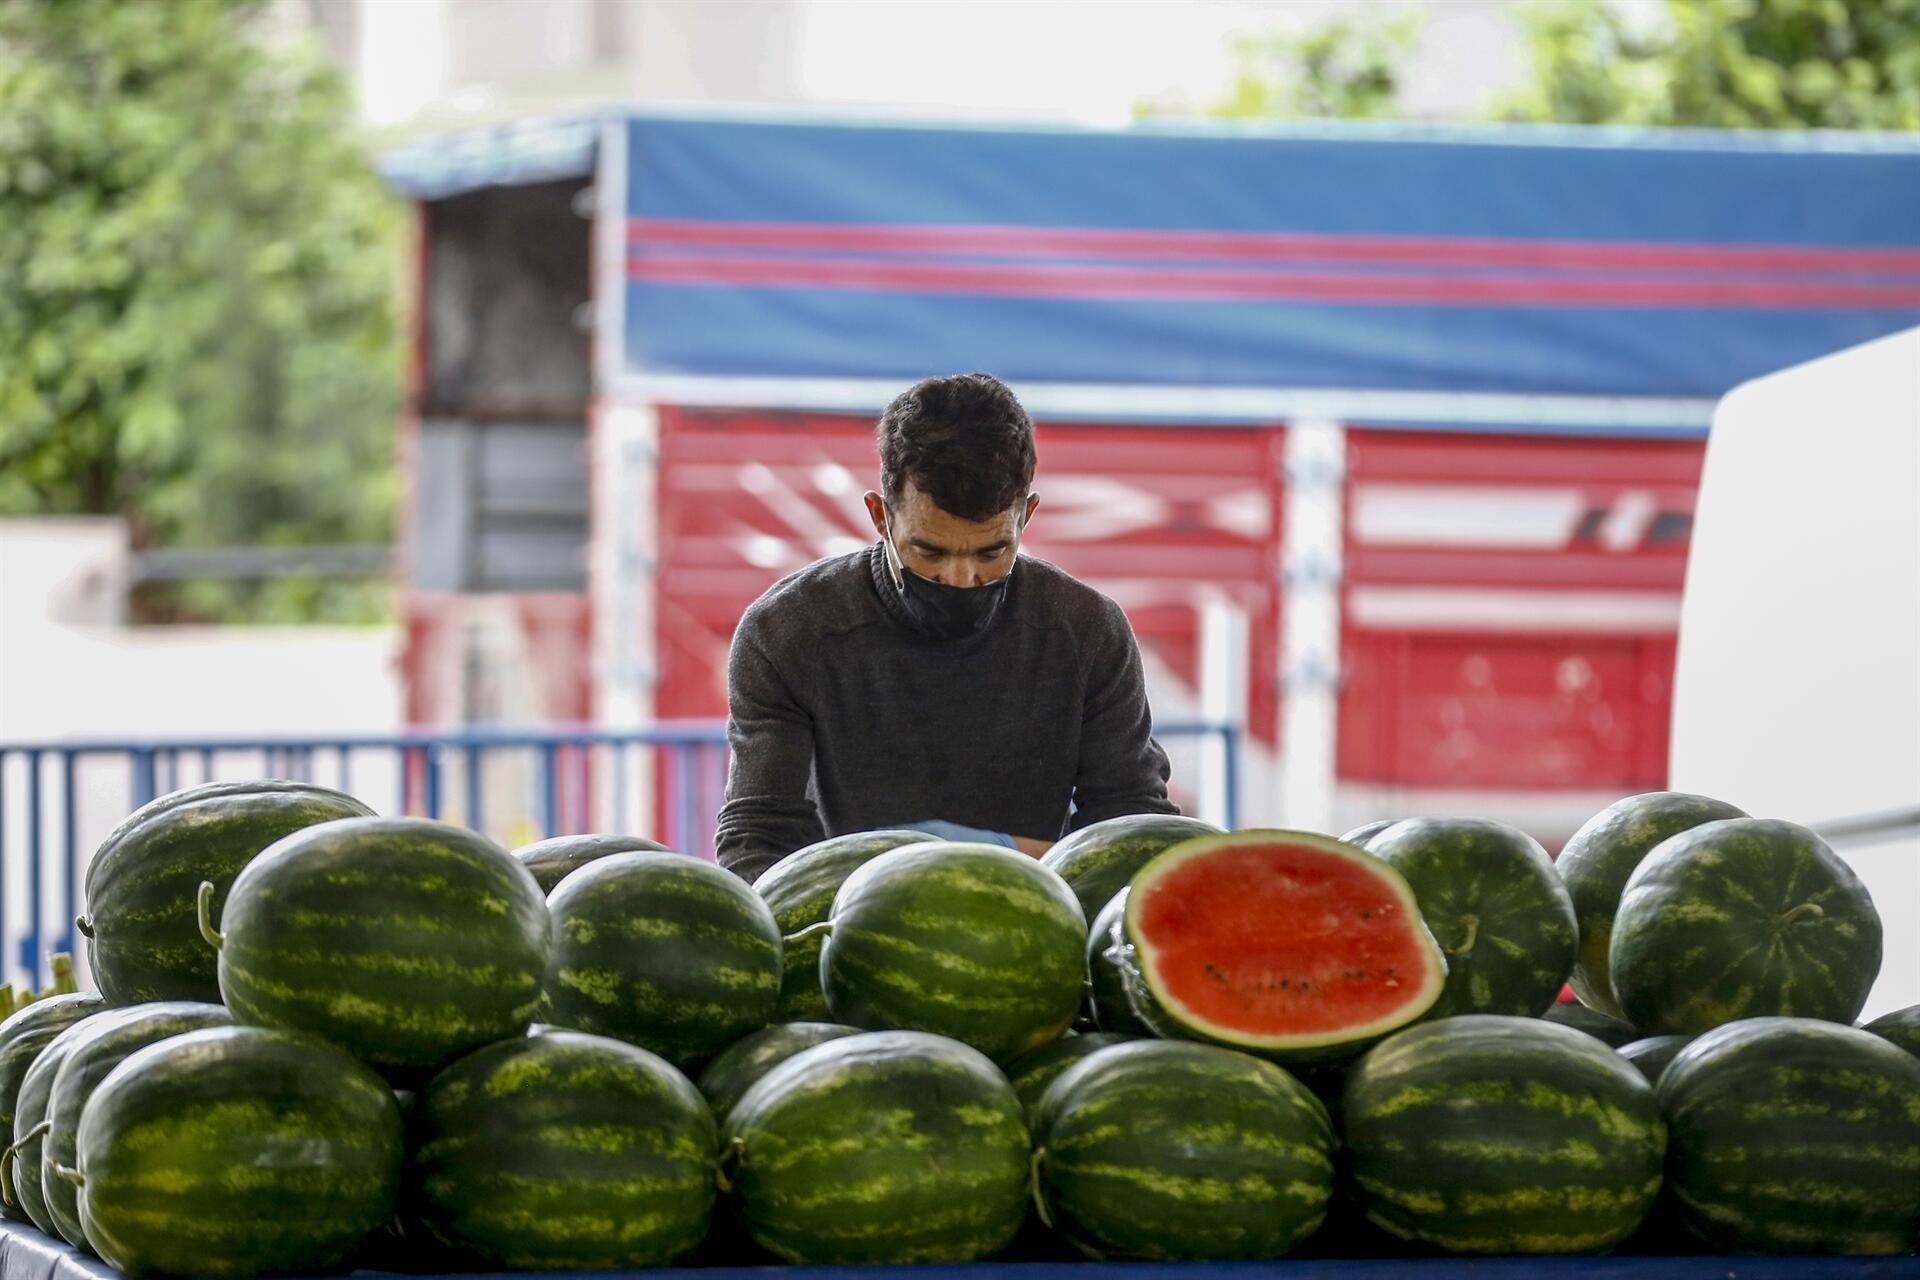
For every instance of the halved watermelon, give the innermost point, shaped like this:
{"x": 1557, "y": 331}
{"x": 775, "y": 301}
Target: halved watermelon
{"x": 1291, "y": 945}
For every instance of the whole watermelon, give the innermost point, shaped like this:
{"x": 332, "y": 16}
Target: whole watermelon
{"x": 143, "y": 884}
{"x": 552, "y": 861}
{"x": 1290, "y": 945}
{"x": 1367, "y": 831}
{"x": 735, "y": 1069}
{"x": 103, "y": 1045}
{"x": 30, "y": 1124}
{"x": 1596, "y": 862}
{"x": 1488, "y": 1134}
{"x": 1495, "y": 905}
{"x": 799, "y": 889}
{"x": 664, "y": 951}
{"x": 1794, "y": 1135}
{"x": 1605, "y": 1028}
{"x": 22, "y": 1036}
{"x": 970, "y": 941}
{"x": 1902, "y": 1027}
{"x": 562, "y": 1152}
{"x": 1106, "y": 981}
{"x": 1097, "y": 860}
{"x": 1651, "y": 1055}
{"x": 1220, "y": 1154}
{"x": 892, "y": 1147}
{"x": 235, "y": 1152}
{"x": 405, "y": 941}
{"x": 1033, "y": 1071}
{"x": 1741, "y": 918}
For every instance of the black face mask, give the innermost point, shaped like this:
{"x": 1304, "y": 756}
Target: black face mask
{"x": 941, "y": 612}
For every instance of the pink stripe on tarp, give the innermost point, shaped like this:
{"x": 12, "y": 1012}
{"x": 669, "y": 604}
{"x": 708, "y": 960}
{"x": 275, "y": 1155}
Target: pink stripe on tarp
{"x": 1194, "y": 284}
{"x": 1261, "y": 246}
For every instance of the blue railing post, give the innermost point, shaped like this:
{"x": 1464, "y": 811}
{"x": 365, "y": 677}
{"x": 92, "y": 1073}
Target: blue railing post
{"x": 30, "y": 944}
{"x": 432, "y": 762}
{"x": 683, "y": 797}
{"x": 141, "y": 778}
{"x": 1230, "y": 749}
{"x": 549, "y": 790}
{"x": 476, "y": 812}
{"x": 70, "y": 839}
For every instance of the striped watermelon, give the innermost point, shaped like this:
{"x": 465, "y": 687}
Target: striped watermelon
{"x": 971, "y": 941}
{"x": 1487, "y": 1134}
{"x": 143, "y": 883}
{"x": 552, "y": 861}
{"x": 1651, "y": 1055}
{"x": 891, "y": 1147}
{"x": 1495, "y": 905}
{"x": 1033, "y": 1071}
{"x": 1163, "y": 1150}
{"x": 237, "y": 1151}
{"x": 1287, "y": 944}
{"x": 103, "y": 1045}
{"x": 22, "y": 1036}
{"x": 1741, "y": 918}
{"x": 735, "y": 1069}
{"x": 1793, "y": 1135}
{"x": 562, "y": 1152}
{"x": 1106, "y": 980}
{"x": 1596, "y": 862}
{"x": 1605, "y": 1028}
{"x": 1098, "y": 860}
{"x": 664, "y": 951}
{"x": 405, "y": 941}
{"x": 30, "y": 1123}
{"x": 799, "y": 888}
{"x": 1902, "y": 1027}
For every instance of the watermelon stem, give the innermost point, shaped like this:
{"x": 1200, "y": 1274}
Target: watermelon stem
{"x": 734, "y": 1156}
{"x": 63, "y": 983}
{"x": 1805, "y": 911}
{"x": 1033, "y": 1187}
{"x": 820, "y": 930}
{"x": 1466, "y": 943}
{"x": 68, "y": 1174}
{"x": 84, "y": 923}
{"x": 203, "y": 903}
{"x": 6, "y": 1177}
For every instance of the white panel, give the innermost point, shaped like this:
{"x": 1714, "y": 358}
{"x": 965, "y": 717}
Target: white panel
{"x": 1428, "y": 515}
{"x": 1797, "y": 690}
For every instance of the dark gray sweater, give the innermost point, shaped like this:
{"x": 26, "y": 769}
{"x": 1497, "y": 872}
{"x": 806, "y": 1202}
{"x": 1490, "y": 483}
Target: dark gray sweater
{"x": 842, "y": 718}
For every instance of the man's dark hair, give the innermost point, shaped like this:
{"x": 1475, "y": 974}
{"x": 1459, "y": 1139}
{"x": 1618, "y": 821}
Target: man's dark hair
{"x": 964, "y": 441}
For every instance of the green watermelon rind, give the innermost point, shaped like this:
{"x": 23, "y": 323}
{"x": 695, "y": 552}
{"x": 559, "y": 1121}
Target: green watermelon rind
{"x": 1604, "y": 1027}
{"x": 889, "y": 1147}
{"x": 281, "y": 1150}
{"x": 554, "y": 859}
{"x": 1034, "y": 1070}
{"x": 606, "y": 1145}
{"x": 1651, "y": 1055}
{"x": 1496, "y": 906}
{"x": 1107, "y": 986}
{"x": 22, "y": 1036}
{"x": 29, "y": 1123}
{"x": 970, "y": 941}
{"x": 106, "y": 1043}
{"x": 1599, "y": 858}
{"x": 1170, "y": 1020}
{"x": 1222, "y": 1155}
{"x": 143, "y": 883}
{"x": 1458, "y": 1134}
{"x": 1825, "y": 1119}
{"x": 1901, "y": 1027}
{"x": 406, "y": 941}
{"x": 662, "y": 950}
{"x": 1099, "y": 859}
{"x": 800, "y": 889}
{"x": 726, "y": 1079}
{"x": 1740, "y": 918}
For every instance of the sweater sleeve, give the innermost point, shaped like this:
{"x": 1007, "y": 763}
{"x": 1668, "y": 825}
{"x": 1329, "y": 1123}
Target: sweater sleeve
{"x": 1122, "y": 770}
{"x": 768, "y": 812}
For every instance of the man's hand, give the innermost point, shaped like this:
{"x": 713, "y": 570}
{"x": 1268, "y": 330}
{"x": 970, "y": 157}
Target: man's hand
{"x": 941, "y": 829}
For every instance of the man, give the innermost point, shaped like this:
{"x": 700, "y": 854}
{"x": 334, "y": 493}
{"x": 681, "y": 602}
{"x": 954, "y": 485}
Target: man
{"x": 936, "y": 681}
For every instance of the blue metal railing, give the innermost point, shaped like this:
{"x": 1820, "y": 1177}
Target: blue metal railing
{"x": 665, "y": 781}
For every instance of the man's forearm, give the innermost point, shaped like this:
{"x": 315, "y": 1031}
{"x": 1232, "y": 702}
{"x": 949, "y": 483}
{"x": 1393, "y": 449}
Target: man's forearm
{"x": 1032, "y": 848}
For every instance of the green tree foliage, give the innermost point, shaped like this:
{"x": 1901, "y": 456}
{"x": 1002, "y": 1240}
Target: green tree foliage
{"x": 1737, "y": 64}
{"x": 1341, "y": 69}
{"x": 197, "y": 311}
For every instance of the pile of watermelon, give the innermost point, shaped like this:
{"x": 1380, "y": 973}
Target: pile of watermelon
{"x": 325, "y": 1039}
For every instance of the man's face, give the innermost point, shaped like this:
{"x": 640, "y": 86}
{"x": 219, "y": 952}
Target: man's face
{"x": 944, "y": 548}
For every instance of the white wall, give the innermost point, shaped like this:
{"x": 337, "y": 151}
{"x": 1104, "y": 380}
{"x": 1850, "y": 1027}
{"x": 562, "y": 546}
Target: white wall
{"x": 1797, "y": 688}
{"x": 69, "y": 670}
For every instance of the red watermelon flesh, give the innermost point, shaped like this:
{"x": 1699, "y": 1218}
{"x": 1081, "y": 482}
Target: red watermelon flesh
{"x": 1281, "y": 940}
